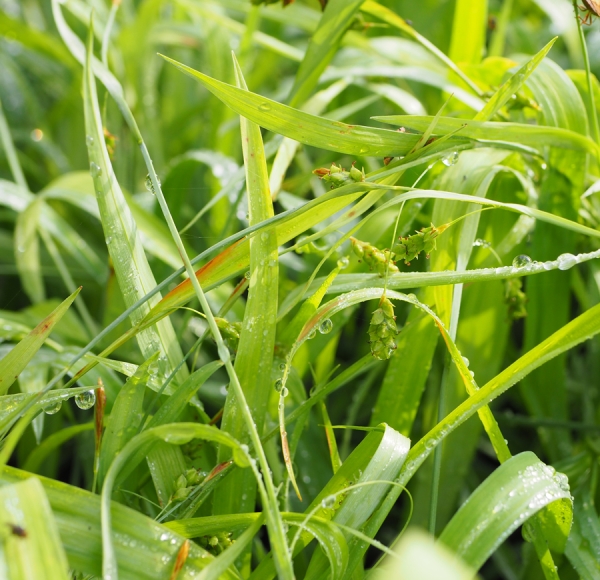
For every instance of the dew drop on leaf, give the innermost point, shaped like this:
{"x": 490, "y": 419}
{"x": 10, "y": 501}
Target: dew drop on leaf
{"x": 326, "y": 326}
{"x": 521, "y": 261}
{"x": 566, "y": 261}
{"x": 450, "y": 159}
{"x": 53, "y": 407}
{"x": 95, "y": 170}
{"x": 85, "y": 400}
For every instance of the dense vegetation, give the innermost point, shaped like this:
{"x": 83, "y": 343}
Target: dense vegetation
{"x": 394, "y": 211}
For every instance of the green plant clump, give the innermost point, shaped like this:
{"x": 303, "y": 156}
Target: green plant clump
{"x": 302, "y": 289}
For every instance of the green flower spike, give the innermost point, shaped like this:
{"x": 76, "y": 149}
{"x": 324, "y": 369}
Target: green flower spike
{"x": 383, "y": 330}
{"x": 376, "y": 259}
{"x": 338, "y": 176}
{"x": 410, "y": 247}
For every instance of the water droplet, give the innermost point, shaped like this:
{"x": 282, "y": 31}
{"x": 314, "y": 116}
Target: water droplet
{"x": 89, "y": 140}
{"x": 284, "y": 392}
{"x": 326, "y": 326}
{"x": 95, "y": 170}
{"x": 328, "y": 502}
{"x": 466, "y": 361}
{"x": 278, "y": 385}
{"x": 264, "y": 107}
{"x": 312, "y": 334}
{"x": 247, "y": 275}
{"x": 108, "y": 240}
{"x": 566, "y": 261}
{"x": 282, "y": 367}
{"x": 450, "y": 159}
{"x": 521, "y": 261}
{"x": 343, "y": 262}
{"x": 53, "y": 407}
{"x": 85, "y": 400}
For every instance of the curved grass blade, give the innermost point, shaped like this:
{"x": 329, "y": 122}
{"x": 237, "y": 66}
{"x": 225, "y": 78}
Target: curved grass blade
{"x": 125, "y": 418}
{"x": 513, "y": 493}
{"x": 173, "y": 433}
{"x": 77, "y": 514}
{"x": 376, "y": 459}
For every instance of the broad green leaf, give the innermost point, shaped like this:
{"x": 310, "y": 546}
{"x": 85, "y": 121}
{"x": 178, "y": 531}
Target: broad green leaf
{"x": 518, "y": 489}
{"x": 77, "y": 514}
{"x": 18, "y": 358}
{"x": 31, "y": 546}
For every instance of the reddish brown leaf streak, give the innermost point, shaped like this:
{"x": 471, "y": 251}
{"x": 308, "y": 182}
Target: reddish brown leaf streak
{"x": 216, "y": 470}
{"x": 202, "y": 273}
{"x": 180, "y": 560}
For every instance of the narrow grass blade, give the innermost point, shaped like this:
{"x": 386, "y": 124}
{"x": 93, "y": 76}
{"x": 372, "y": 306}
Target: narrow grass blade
{"x": 512, "y": 85}
{"x": 18, "y": 358}
{"x": 303, "y": 127}
{"x": 372, "y": 466}
{"x": 124, "y": 245}
{"x": 254, "y": 357}
{"x": 537, "y": 136}
{"x": 323, "y": 45}
{"x": 31, "y": 546}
